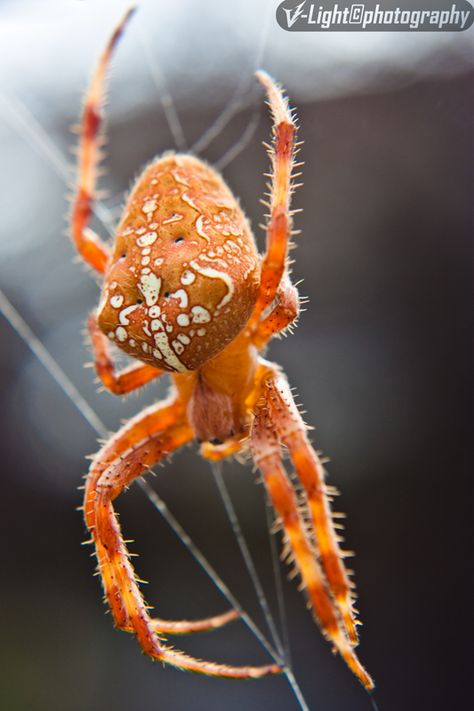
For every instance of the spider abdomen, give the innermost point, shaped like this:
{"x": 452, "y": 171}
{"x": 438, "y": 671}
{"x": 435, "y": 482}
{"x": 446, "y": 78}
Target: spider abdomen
{"x": 184, "y": 274}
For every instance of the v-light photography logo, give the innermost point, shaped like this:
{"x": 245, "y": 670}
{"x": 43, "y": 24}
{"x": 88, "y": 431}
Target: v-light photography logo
{"x": 372, "y": 16}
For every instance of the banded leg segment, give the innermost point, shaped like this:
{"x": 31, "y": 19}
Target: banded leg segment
{"x": 128, "y": 607}
{"x": 89, "y": 245}
{"x": 291, "y": 429}
{"x": 120, "y": 584}
{"x": 153, "y": 420}
{"x": 150, "y": 422}
{"x": 279, "y": 224}
{"x": 266, "y": 452}
{"x": 122, "y": 382}
{"x": 283, "y": 314}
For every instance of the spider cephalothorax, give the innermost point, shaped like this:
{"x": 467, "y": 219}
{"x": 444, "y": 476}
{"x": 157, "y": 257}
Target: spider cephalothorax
{"x": 185, "y": 292}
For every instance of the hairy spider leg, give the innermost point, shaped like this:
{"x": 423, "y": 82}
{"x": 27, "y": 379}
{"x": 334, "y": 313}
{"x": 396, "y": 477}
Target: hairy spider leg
{"x": 266, "y": 452}
{"x": 89, "y": 245}
{"x": 112, "y": 472}
{"x": 291, "y": 430}
{"x": 278, "y": 228}
{"x": 118, "y": 382}
{"x": 284, "y": 312}
{"x": 179, "y": 627}
{"x": 151, "y": 421}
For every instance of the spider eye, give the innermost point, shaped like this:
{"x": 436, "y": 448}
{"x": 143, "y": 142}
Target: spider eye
{"x": 179, "y": 239}
{"x": 139, "y": 301}
{"x": 166, "y": 294}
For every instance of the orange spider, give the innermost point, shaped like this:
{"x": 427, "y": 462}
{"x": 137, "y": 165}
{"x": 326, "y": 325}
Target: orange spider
{"x": 185, "y": 292}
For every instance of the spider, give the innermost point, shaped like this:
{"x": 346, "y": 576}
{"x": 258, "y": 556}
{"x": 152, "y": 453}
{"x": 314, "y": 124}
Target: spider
{"x": 186, "y": 292}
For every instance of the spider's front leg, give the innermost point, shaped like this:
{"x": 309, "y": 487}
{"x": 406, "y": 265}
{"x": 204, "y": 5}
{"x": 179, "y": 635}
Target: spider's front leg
{"x": 277, "y": 419}
{"x": 278, "y": 229}
{"x": 140, "y": 444}
{"x": 89, "y": 245}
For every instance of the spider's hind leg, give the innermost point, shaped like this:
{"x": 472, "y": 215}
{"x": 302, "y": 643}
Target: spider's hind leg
{"x": 138, "y": 446}
{"x": 291, "y": 430}
{"x": 154, "y": 419}
{"x": 326, "y": 583}
{"x": 178, "y": 627}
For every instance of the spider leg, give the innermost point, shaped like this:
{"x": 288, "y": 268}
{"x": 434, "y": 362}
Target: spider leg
{"x": 138, "y": 446}
{"x": 89, "y": 245}
{"x": 291, "y": 429}
{"x": 284, "y": 312}
{"x": 281, "y": 153}
{"x": 151, "y": 420}
{"x": 217, "y": 452}
{"x": 188, "y": 626}
{"x": 267, "y": 455}
{"x": 122, "y": 382}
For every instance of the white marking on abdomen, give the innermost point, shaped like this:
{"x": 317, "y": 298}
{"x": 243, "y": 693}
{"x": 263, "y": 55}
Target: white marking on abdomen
{"x": 200, "y": 228}
{"x": 149, "y": 206}
{"x": 200, "y": 314}
{"x": 215, "y": 274}
{"x": 182, "y": 297}
{"x": 121, "y": 334}
{"x": 147, "y": 239}
{"x": 154, "y": 312}
{"x": 170, "y": 358}
{"x": 116, "y": 301}
{"x": 175, "y": 217}
{"x": 150, "y": 286}
{"x": 188, "y": 200}
{"x": 123, "y": 315}
{"x": 179, "y": 348}
{"x": 182, "y": 320}
{"x": 187, "y": 277}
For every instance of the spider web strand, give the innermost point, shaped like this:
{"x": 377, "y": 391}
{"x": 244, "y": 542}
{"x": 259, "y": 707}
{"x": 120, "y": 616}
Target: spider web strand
{"x": 244, "y": 550}
{"x": 235, "y": 103}
{"x": 278, "y": 582}
{"x": 242, "y": 143}
{"x": 20, "y": 119}
{"x": 169, "y": 109}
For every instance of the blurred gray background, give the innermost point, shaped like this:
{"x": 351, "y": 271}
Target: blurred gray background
{"x": 381, "y": 358}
